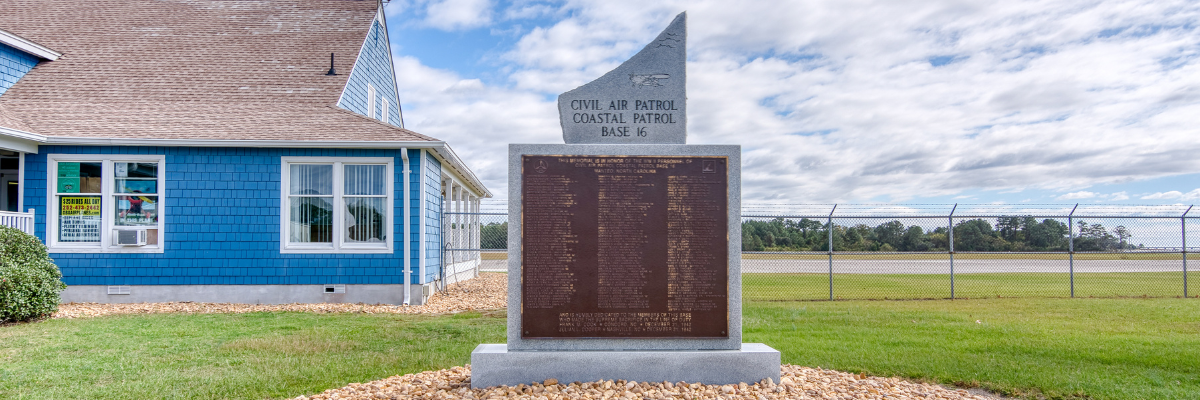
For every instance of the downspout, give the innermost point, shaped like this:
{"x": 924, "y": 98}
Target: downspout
{"x": 406, "y": 226}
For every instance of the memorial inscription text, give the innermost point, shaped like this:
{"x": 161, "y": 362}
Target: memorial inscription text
{"x": 624, "y": 246}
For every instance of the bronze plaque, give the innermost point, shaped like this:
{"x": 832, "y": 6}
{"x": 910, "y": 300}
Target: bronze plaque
{"x": 624, "y": 247}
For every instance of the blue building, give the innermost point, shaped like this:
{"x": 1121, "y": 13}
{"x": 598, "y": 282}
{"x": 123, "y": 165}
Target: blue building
{"x": 225, "y": 151}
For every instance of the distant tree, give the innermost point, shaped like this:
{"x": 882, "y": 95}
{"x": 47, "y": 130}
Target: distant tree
{"x": 974, "y": 235}
{"x": 889, "y": 233}
{"x": 1049, "y": 235}
{"x": 493, "y": 236}
{"x": 1013, "y": 229}
{"x": 751, "y": 242}
{"x": 1094, "y": 237}
{"x": 914, "y": 240}
{"x": 1122, "y": 235}
{"x": 937, "y": 240}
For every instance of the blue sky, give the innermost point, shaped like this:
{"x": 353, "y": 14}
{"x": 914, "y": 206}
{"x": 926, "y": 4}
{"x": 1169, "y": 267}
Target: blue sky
{"x": 1095, "y": 102}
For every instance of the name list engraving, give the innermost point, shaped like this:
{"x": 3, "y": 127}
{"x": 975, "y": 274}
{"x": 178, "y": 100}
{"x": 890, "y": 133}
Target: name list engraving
{"x": 624, "y": 246}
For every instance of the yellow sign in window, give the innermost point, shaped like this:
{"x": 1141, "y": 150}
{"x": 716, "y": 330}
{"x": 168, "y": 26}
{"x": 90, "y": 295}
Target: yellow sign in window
{"x": 80, "y": 206}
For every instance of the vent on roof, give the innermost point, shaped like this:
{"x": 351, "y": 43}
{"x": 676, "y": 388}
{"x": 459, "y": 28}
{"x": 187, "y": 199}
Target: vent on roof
{"x": 118, "y": 290}
{"x": 335, "y": 288}
{"x": 331, "y": 70}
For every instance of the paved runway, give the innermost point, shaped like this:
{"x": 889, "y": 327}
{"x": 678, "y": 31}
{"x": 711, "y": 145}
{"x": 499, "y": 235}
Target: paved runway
{"x": 936, "y": 266}
{"x": 960, "y": 266}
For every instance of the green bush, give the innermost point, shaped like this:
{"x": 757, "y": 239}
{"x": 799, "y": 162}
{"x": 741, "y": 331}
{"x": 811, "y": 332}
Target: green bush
{"x": 29, "y": 280}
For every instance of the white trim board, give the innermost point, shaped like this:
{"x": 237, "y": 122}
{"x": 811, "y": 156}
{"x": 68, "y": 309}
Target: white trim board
{"x": 28, "y": 46}
{"x": 442, "y": 151}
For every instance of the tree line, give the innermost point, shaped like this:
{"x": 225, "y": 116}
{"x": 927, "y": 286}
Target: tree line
{"x": 1009, "y": 234}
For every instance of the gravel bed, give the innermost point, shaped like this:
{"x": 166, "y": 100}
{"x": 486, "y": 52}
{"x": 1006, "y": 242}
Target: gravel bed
{"x": 795, "y": 383}
{"x": 487, "y": 292}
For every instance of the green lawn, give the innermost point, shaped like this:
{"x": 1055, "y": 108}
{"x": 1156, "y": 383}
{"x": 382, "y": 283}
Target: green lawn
{"x": 963, "y": 256}
{"x": 227, "y": 356}
{"x": 1056, "y": 348}
{"x": 782, "y": 287}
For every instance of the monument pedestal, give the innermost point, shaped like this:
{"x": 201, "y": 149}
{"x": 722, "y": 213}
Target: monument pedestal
{"x": 494, "y": 364}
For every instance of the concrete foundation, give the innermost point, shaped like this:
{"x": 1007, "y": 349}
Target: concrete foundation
{"x": 462, "y": 271}
{"x": 249, "y": 294}
{"x": 493, "y": 364}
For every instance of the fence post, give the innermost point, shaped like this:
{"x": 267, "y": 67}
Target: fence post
{"x": 950, "y": 241}
{"x": 830, "y": 229}
{"x": 1183, "y": 247}
{"x": 1071, "y": 247}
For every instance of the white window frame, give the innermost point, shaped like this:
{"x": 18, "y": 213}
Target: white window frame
{"x": 108, "y": 208}
{"x": 383, "y": 109}
{"x": 339, "y": 244}
{"x": 370, "y": 101}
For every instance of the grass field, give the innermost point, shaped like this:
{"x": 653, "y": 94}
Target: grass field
{"x": 501, "y": 255}
{"x": 1054, "y": 348}
{"x": 228, "y": 356}
{"x": 965, "y": 256}
{"x": 780, "y": 287}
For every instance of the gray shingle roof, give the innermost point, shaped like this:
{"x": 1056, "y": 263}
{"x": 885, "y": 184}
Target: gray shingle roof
{"x": 191, "y": 69}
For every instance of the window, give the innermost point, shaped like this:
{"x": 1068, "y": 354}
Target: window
{"x": 370, "y": 101}
{"x": 335, "y": 205}
{"x": 383, "y": 109}
{"x": 105, "y": 204}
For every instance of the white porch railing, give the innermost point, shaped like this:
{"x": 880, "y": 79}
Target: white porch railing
{"x": 18, "y": 220}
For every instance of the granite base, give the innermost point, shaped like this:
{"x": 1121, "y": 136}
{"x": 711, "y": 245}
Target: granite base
{"x": 493, "y": 365}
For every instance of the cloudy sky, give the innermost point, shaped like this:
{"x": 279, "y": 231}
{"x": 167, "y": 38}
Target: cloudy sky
{"x": 844, "y": 101}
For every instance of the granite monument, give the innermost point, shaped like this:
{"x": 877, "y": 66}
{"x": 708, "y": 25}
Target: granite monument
{"x": 625, "y": 242}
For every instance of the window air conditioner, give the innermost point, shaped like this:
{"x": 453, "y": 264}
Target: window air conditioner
{"x": 130, "y": 237}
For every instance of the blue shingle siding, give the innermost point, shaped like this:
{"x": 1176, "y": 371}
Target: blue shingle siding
{"x": 414, "y": 216}
{"x": 374, "y": 66}
{"x": 13, "y": 65}
{"x": 433, "y": 218}
{"x": 222, "y": 223}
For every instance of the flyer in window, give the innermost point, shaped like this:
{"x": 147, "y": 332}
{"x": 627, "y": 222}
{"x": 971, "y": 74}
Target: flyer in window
{"x": 80, "y": 206}
{"x": 68, "y": 177}
{"x": 79, "y": 219}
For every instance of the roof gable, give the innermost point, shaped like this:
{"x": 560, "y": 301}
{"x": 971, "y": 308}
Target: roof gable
{"x": 14, "y": 64}
{"x": 373, "y": 67}
{"x": 204, "y": 69}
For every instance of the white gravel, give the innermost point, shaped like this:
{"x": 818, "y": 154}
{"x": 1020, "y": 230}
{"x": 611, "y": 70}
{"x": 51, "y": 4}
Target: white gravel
{"x": 796, "y": 383}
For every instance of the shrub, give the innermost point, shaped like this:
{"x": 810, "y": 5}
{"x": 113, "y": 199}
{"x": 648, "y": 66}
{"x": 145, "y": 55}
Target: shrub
{"x": 29, "y": 280}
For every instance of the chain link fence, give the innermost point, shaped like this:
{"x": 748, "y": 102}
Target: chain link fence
{"x": 863, "y": 251}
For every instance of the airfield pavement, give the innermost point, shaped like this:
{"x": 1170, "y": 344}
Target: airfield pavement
{"x": 940, "y": 266}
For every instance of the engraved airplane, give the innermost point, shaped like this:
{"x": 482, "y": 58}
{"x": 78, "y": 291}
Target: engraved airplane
{"x": 648, "y": 80}
{"x": 672, "y": 37}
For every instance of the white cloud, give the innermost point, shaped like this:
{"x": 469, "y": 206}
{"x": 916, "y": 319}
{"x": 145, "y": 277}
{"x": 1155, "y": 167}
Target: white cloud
{"x": 477, "y": 120}
{"x": 454, "y": 15}
{"x": 842, "y": 101}
{"x": 1173, "y": 195}
{"x": 1077, "y": 195}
